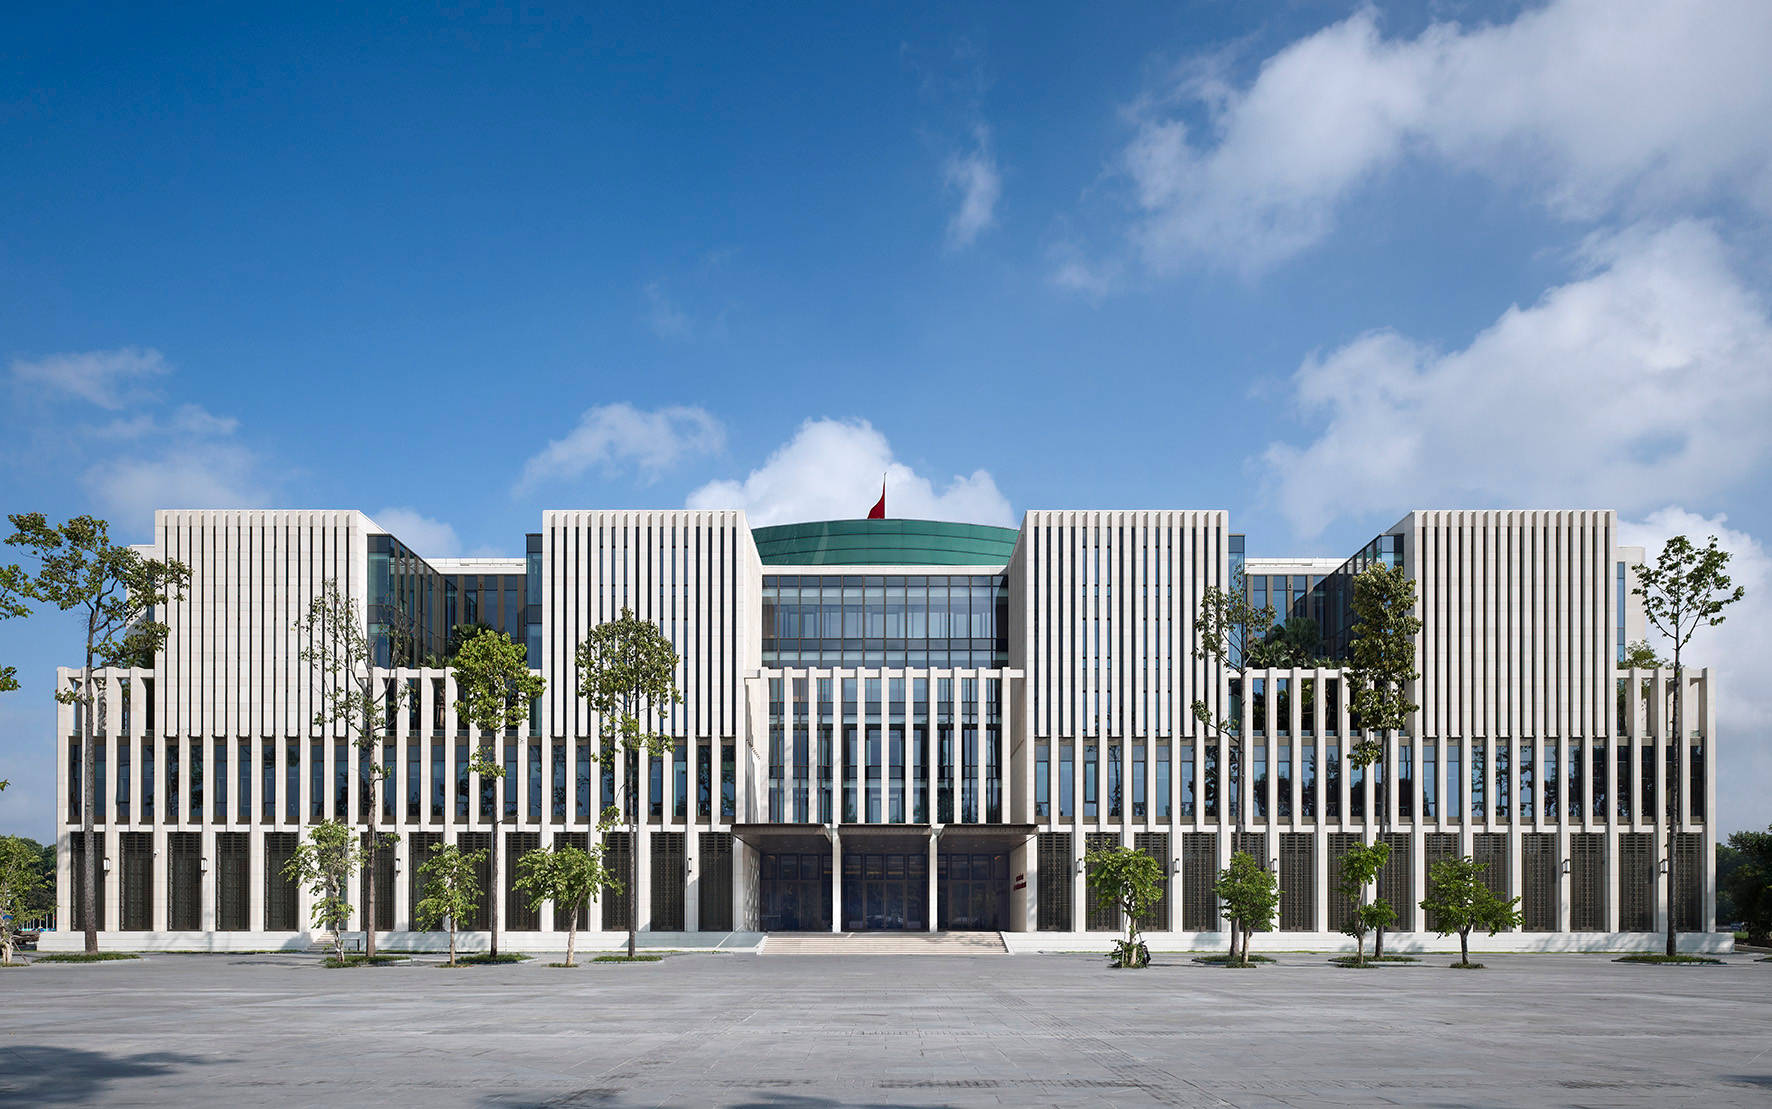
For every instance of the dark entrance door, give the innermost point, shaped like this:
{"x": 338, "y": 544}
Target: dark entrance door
{"x": 795, "y": 891}
{"x": 885, "y": 891}
{"x": 972, "y": 892}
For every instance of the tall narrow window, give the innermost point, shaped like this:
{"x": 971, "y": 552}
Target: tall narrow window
{"x": 221, "y": 771}
{"x": 244, "y": 771}
{"x": 1259, "y": 781}
{"x": 1307, "y": 792}
{"x": 1551, "y": 786}
{"x": 1066, "y": 778}
{"x": 1577, "y": 786}
{"x": 268, "y": 782}
{"x": 1453, "y": 782}
{"x": 1090, "y": 770}
{"x": 1528, "y": 790}
{"x": 1430, "y": 786}
{"x": 1116, "y": 788}
{"x": 1042, "y": 779}
{"x": 728, "y": 782}
{"x": 680, "y": 781}
{"x": 1163, "y": 785}
{"x": 1189, "y": 783}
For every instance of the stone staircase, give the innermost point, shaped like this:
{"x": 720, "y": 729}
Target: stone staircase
{"x": 883, "y": 943}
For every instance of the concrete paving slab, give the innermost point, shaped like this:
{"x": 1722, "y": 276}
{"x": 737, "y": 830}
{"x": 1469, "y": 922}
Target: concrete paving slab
{"x": 825, "y": 1031}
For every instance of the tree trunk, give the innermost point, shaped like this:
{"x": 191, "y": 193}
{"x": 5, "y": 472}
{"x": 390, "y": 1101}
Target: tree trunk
{"x": 1672, "y": 804}
{"x": 1360, "y": 949}
{"x": 89, "y": 795}
{"x": 571, "y": 938}
{"x": 1464, "y": 945}
{"x": 369, "y": 861}
{"x": 451, "y": 941}
{"x": 633, "y": 874}
{"x": 1381, "y": 798}
{"x": 1232, "y": 955}
{"x": 494, "y": 893}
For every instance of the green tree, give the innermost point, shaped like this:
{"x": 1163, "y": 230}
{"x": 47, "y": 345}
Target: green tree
{"x": 1129, "y": 881}
{"x": 21, "y": 889}
{"x": 1359, "y": 869}
{"x": 1748, "y": 883}
{"x": 119, "y": 592}
{"x": 1251, "y": 896}
{"x": 14, "y": 588}
{"x": 1458, "y": 900}
{"x": 1226, "y": 629}
{"x": 1296, "y": 643}
{"x": 1380, "y": 676}
{"x": 324, "y": 865}
{"x": 1685, "y": 590}
{"x": 627, "y": 673}
{"x": 1640, "y": 656}
{"x": 494, "y": 692}
{"x": 568, "y": 877}
{"x": 1637, "y": 656}
{"x": 452, "y": 889}
{"x": 356, "y": 700}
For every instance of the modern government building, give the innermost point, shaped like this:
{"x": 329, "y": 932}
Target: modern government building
{"x": 906, "y": 725}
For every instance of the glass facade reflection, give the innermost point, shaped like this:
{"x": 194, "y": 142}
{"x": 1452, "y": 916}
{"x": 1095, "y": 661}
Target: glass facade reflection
{"x": 914, "y": 620}
{"x": 885, "y": 731}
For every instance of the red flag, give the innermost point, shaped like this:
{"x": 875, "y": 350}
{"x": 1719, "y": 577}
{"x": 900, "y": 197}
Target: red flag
{"x": 878, "y": 512}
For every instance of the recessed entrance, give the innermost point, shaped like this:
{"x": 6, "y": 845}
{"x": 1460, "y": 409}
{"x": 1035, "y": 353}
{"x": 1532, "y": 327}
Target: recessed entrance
{"x": 974, "y": 891}
{"x": 795, "y": 892}
{"x": 885, "y": 892}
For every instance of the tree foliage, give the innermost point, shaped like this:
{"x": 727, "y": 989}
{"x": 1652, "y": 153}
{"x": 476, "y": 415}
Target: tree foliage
{"x": 354, "y": 699}
{"x": 1297, "y": 643}
{"x": 1685, "y": 590}
{"x": 1459, "y": 900}
{"x": 451, "y": 889}
{"x": 1360, "y": 868}
{"x": 1640, "y": 656}
{"x": 1226, "y": 626}
{"x": 120, "y": 593}
{"x": 1748, "y": 883}
{"x": 1383, "y": 662}
{"x": 1250, "y": 894}
{"x": 324, "y": 864}
{"x": 22, "y": 887}
{"x": 14, "y": 588}
{"x": 628, "y": 676}
{"x": 568, "y": 877}
{"x": 1129, "y": 881}
{"x": 494, "y": 690}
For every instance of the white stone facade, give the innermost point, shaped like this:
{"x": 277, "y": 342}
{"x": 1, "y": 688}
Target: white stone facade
{"x": 1076, "y": 729}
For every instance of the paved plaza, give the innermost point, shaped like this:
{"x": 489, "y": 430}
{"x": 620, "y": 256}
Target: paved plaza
{"x": 816, "y": 1031}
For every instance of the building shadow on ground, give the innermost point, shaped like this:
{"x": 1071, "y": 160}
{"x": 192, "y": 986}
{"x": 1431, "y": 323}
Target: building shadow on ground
{"x": 32, "y": 1074}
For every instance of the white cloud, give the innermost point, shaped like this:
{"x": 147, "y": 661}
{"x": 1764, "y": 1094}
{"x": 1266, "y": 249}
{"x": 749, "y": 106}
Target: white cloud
{"x": 666, "y": 320}
{"x": 614, "y": 435}
{"x": 183, "y": 475}
{"x": 107, "y": 378}
{"x": 1641, "y": 383}
{"x": 1591, "y": 105}
{"x": 188, "y": 419}
{"x": 430, "y": 538}
{"x": 1737, "y": 651}
{"x": 831, "y": 470}
{"x": 975, "y": 176}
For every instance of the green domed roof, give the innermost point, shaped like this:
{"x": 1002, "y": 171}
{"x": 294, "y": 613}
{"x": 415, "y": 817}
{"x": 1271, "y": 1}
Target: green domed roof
{"x": 884, "y": 543}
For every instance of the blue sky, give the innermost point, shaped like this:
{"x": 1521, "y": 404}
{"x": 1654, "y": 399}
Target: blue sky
{"x": 1314, "y": 263}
